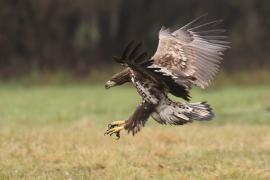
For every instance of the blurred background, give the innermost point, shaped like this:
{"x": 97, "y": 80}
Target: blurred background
{"x": 78, "y": 36}
{"x": 55, "y": 56}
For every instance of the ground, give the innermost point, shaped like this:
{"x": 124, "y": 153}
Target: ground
{"x": 56, "y": 132}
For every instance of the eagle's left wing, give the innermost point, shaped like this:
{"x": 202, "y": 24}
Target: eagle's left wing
{"x": 192, "y": 53}
{"x": 139, "y": 62}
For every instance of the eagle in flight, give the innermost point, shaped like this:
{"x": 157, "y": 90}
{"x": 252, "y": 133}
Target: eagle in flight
{"x": 188, "y": 56}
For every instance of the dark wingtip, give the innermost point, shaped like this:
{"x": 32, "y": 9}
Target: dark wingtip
{"x": 127, "y": 49}
{"x": 141, "y": 58}
{"x": 117, "y": 59}
{"x": 135, "y": 51}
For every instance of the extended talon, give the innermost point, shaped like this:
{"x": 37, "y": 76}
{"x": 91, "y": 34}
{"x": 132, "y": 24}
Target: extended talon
{"x": 115, "y": 128}
{"x": 116, "y": 123}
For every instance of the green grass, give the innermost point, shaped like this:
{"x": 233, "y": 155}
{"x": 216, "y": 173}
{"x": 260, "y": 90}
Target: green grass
{"x": 54, "y": 104}
{"x": 56, "y": 132}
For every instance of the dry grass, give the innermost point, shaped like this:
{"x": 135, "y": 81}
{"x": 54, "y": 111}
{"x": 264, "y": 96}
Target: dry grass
{"x": 80, "y": 151}
{"x": 56, "y": 132}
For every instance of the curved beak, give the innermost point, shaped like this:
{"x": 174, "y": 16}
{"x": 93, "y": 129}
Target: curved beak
{"x": 110, "y": 84}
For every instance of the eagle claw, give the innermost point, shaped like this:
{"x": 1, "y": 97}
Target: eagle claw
{"x": 115, "y": 128}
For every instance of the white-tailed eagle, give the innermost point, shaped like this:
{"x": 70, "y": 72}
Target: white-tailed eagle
{"x": 188, "y": 56}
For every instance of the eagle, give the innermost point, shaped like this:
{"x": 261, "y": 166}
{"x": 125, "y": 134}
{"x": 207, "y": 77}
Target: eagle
{"x": 189, "y": 56}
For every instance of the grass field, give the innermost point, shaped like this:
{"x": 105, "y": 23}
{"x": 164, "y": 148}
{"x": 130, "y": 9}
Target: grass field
{"x": 56, "y": 132}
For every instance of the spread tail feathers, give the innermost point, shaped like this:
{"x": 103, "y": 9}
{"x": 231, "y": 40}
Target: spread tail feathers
{"x": 200, "y": 111}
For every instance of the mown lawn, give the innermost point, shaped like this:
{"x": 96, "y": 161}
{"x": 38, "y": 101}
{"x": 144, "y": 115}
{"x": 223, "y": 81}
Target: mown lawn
{"x": 56, "y": 132}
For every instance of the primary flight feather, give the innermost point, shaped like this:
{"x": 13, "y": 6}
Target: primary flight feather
{"x": 188, "y": 56}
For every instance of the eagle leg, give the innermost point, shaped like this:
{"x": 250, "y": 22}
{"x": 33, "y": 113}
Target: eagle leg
{"x": 115, "y": 128}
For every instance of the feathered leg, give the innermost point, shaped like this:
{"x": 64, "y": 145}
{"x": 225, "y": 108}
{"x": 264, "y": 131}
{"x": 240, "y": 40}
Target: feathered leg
{"x": 134, "y": 123}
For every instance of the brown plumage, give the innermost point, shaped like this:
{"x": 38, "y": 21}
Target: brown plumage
{"x": 192, "y": 51}
{"x": 188, "y": 56}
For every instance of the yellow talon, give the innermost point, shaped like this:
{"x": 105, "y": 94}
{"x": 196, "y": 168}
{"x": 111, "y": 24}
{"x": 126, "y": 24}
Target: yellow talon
{"x": 115, "y": 128}
{"x": 117, "y": 123}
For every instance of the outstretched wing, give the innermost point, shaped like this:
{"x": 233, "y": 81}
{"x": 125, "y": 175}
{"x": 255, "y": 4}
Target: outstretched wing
{"x": 139, "y": 62}
{"x": 139, "y": 117}
{"x": 193, "y": 51}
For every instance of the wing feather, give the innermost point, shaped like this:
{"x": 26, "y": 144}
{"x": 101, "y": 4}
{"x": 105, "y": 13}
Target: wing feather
{"x": 138, "y": 61}
{"x": 195, "y": 50}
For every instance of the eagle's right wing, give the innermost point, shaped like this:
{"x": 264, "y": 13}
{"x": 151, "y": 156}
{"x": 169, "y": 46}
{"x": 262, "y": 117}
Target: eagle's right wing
{"x": 192, "y": 52}
{"x": 139, "y": 62}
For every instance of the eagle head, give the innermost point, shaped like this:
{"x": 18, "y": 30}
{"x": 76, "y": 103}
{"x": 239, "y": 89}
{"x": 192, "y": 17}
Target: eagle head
{"x": 118, "y": 79}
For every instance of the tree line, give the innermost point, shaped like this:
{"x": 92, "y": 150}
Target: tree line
{"x": 83, "y": 34}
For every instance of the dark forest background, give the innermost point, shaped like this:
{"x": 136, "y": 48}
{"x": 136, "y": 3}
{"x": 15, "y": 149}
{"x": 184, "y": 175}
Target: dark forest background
{"x": 78, "y": 36}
